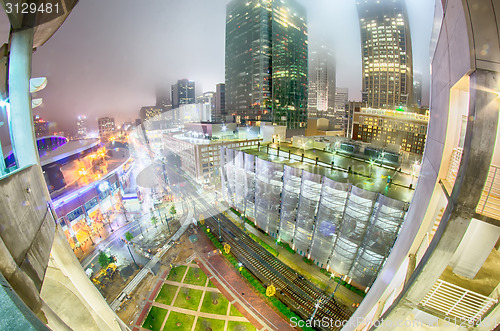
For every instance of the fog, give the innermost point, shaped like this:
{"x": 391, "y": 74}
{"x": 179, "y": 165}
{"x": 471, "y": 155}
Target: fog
{"x": 110, "y": 55}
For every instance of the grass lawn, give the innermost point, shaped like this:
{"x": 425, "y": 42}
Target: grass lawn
{"x": 177, "y": 273}
{"x": 239, "y": 326}
{"x": 208, "y": 307}
{"x": 186, "y": 321}
{"x": 203, "y": 323}
{"x": 210, "y": 284}
{"x": 234, "y": 311}
{"x": 166, "y": 294}
{"x": 191, "y": 279}
{"x": 192, "y": 303}
{"x": 155, "y": 319}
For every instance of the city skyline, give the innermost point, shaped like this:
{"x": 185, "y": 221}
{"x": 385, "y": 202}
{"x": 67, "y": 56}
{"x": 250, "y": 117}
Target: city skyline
{"x": 128, "y": 74}
{"x": 176, "y": 222}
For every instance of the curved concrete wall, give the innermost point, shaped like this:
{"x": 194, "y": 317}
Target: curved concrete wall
{"x": 465, "y": 83}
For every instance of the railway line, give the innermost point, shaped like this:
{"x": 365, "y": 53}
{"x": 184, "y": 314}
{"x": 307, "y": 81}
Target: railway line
{"x": 291, "y": 288}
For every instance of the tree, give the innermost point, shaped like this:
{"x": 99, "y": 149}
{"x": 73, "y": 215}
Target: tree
{"x": 173, "y": 211}
{"x": 215, "y": 297}
{"x": 186, "y": 293}
{"x": 154, "y": 220}
{"x": 129, "y": 236}
{"x": 103, "y": 260}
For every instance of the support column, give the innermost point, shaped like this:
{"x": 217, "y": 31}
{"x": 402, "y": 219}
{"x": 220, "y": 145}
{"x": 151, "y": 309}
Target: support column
{"x": 69, "y": 265}
{"x": 20, "y": 116}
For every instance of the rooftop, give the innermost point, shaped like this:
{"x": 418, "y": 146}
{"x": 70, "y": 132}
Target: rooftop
{"x": 72, "y": 147}
{"x": 370, "y": 176}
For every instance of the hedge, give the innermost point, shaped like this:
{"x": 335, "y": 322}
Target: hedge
{"x": 286, "y": 246}
{"x": 263, "y": 244}
{"x": 235, "y": 211}
{"x": 307, "y": 261}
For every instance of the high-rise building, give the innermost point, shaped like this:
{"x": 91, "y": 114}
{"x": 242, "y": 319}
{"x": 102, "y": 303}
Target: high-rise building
{"x": 266, "y": 62}
{"x": 350, "y": 109}
{"x": 163, "y": 100}
{"x": 183, "y": 93}
{"x": 207, "y": 102}
{"x": 321, "y": 102}
{"x": 383, "y": 128}
{"x": 81, "y": 125}
{"x": 386, "y": 53}
{"x": 417, "y": 89}
{"x": 206, "y": 97}
{"x": 150, "y": 113}
{"x": 42, "y": 127}
{"x": 106, "y": 127}
{"x": 219, "y": 113}
{"x": 341, "y": 97}
{"x": 341, "y": 104}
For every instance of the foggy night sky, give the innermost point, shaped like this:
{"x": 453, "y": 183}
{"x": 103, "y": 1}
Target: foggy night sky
{"x": 110, "y": 55}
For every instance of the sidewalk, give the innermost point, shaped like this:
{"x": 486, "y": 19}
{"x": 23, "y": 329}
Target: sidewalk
{"x": 295, "y": 261}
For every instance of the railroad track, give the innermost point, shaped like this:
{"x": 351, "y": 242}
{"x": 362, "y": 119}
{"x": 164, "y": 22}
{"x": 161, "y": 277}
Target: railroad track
{"x": 292, "y": 289}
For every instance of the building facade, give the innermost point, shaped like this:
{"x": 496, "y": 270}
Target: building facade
{"x": 183, "y": 93}
{"x": 163, "y": 100}
{"x": 351, "y": 108}
{"x": 321, "y": 102}
{"x": 417, "y": 89}
{"x": 382, "y": 128}
{"x": 386, "y": 53}
{"x": 41, "y": 126}
{"x": 81, "y": 126}
{"x": 219, "y": 112}
{"x": 200, "y": 158}
{"x": 266, "y": 62}
{"x": 106, "y": 127}
{"x": 340, "y": 226}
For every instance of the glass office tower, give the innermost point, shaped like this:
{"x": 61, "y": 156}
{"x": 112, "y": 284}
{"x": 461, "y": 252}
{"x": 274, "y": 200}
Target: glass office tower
{"x": 266, "y": 62}
{"x": 386, "y": 53}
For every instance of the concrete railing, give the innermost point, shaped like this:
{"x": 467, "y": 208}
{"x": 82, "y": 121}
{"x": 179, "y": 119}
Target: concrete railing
{"x": 457, "y": 302}
{"x": 489, "y": 203}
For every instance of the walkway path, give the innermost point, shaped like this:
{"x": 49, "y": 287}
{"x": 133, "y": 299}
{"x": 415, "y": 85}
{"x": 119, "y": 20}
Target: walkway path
{"x": 236, "y": 290}
{"x": 227, "y": 317}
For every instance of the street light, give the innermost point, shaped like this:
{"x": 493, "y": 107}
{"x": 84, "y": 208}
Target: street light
{"x": 128, "y": 247}
{"x": 372, "y": 162}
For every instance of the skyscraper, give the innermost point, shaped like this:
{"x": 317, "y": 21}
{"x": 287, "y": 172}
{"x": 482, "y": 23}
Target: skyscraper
{"x": 321, "y": 101}
{"x": 219, "y": 113}
{"x": 106, "y": 127}
{"x": 417, "y": 89}
{"x": 183, "y": 93}
{"x": 341, "y": 97}
{"x": 266, "y": 62}
{"x": 386, "y": 53}
{"x": 81, "y": 125}
{"x": 163, "y": 100}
